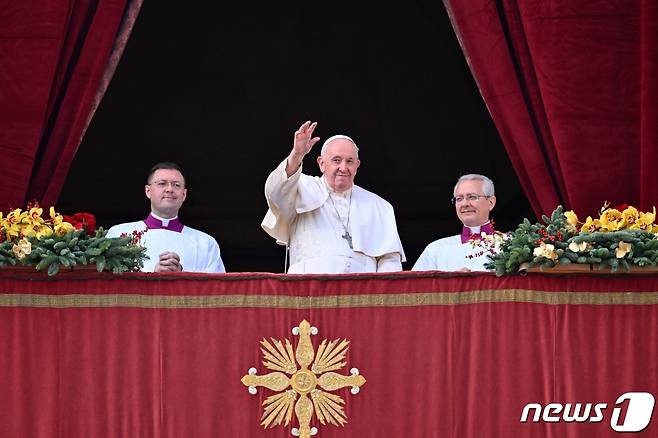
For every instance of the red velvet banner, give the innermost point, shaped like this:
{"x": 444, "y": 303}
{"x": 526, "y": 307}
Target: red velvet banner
{"x": 145, "y": 355}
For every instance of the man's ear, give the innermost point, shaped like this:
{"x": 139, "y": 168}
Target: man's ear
{"x": 321, "y": 163}
{"x": 492, "y": 202}
{"x": 147, "y": 191}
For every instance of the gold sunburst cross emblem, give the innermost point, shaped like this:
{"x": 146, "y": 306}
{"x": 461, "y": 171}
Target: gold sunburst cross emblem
{"x": 298, "y": 387}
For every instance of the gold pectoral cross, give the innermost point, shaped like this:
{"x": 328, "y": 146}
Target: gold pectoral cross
{"x": 348, "y": 237}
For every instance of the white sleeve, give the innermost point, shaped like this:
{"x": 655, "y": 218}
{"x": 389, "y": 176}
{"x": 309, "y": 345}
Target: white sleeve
{"x": 426, "y": 261}
{"x": 214, "y": 262}
{"x": 389, "y": 262}
{"x": 281, "y": 195}
{"x": 113, "y": 232}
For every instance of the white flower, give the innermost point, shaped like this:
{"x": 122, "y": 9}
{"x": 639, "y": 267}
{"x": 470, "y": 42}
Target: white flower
{"x": 622, "y": 249}
{"x": 579, "y": 247}
{"x": 545, "y": 250}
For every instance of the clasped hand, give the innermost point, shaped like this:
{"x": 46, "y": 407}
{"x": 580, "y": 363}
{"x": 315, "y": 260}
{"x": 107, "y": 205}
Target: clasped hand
{"x": 169, "y": 262}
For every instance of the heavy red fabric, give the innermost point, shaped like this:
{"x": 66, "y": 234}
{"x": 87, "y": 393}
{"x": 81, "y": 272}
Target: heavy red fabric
{"x": 571, "y": 87}
{"x": 443, "y": 355}
{"x": 57, "y": 57}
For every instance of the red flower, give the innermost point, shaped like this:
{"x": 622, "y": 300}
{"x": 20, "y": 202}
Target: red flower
{"x": 85, "y": 221}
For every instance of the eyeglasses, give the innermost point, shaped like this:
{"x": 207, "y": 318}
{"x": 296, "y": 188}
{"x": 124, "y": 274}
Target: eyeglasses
{"x": 176, "y": 185}
{"x": 471, "y": 197}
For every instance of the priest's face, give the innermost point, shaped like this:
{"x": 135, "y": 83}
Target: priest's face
{"x": 475, "y": 212}
{"x": 166, "y": 190}
{"x": 339, "y": 164}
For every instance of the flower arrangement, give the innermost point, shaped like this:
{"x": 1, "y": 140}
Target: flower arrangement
{"x": 487, "y": 243}
{"x": 29, "y": 239}
{"x": 619, "y": 238}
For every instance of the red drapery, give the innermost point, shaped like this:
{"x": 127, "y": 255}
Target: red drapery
{"x": 571, "y": 87}
{"x": 57, "y": 59}
{"x": 444, "y": 355}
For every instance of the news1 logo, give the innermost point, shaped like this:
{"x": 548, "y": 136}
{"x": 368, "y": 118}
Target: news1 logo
{"x": 638, "y": 412}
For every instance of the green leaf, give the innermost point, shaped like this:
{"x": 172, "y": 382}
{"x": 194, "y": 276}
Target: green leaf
{"x": 53, "y": 268}
{"x": 100, "y": 263}
{"x": 46, "y": 261}
{"x": 93, "y": 252}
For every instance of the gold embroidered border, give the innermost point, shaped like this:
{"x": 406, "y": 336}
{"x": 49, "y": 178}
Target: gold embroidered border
{"x": 328, "y": 302}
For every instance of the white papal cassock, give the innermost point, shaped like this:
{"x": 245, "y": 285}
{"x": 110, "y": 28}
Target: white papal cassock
{"x": 301, "y": 214}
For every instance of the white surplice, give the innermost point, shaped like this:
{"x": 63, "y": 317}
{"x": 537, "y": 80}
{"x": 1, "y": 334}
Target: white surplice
{"x": 450, "y": 254}
{"x": 198, "y": 251}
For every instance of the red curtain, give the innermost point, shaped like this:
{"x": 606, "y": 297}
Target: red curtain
{"x": 57, "y": 59}
{"x": 571, "y": 87}
{"x": 147, "y": 355}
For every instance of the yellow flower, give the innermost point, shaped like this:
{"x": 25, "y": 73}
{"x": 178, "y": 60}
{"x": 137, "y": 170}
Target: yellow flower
{"x": 579, "y": 247}
{"x": 645, "y": 221}
{"x": 622, "y": 249}
{"x": 41, "y": 231}
{"x": 572, "y": 219}
{"x": 545, "y": 250}
{"x": 22, "y": 248}
{"x": 611, "y": 220}
{"x": 56, "y": 218}
{"x": 34, "y": 215}
{"x": 63, "y": 228}
{"x": 27, "y": 230}
{"x": 591, "y": 225}
{"x": 629, "y": 218}
{"x": 12, "y": 230}
{"x": 15, "y": 216}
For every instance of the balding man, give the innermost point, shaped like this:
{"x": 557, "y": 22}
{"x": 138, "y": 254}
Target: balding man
{"x": 330, "y": 224}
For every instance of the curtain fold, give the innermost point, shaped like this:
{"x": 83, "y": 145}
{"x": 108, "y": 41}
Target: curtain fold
{"x": 58, "y": 58}
{"x": 570, "y": 85}
{"x": 649, "y": 99}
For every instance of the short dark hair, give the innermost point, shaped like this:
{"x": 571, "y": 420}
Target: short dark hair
{"x": 164, "y": 165}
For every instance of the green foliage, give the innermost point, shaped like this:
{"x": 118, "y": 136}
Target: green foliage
{"x": 116, "y": 254}
{"x": 599, "y": 249}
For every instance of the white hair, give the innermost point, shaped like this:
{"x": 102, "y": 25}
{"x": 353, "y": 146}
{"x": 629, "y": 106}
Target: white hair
{"x": 487, "y": 184}
{"x": 337, "y": 137}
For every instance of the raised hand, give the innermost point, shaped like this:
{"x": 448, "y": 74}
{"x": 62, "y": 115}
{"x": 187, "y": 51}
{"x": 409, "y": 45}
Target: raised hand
{"x": 304, "y": 139}
{"x": 302, "y": 144}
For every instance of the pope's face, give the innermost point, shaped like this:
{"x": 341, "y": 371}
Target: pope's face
{"x": 473, "y": 213}
{"x": 339, "y": 164}
{"x": 166, "y": 190}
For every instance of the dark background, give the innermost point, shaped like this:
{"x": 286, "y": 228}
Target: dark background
{"x": 220, "y": 89}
